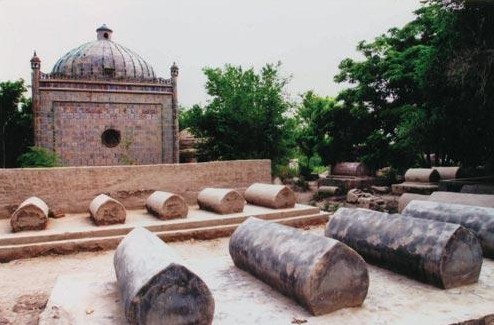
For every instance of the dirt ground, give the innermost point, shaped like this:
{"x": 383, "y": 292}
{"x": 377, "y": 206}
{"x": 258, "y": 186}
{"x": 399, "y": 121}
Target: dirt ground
{"x": 25, "y": 285}
{"x": 393, "y": 299}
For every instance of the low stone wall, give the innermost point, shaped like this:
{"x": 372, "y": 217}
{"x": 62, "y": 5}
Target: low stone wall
{"x": 71, "y": 189}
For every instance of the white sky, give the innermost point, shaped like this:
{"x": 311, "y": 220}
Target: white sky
{"x": 309, "y": 37}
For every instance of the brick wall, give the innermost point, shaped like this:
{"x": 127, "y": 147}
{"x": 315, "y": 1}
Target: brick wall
{"x": 79, "y": 128}
{"x": 72, "y": 188}
{"x": 73, "y": 116}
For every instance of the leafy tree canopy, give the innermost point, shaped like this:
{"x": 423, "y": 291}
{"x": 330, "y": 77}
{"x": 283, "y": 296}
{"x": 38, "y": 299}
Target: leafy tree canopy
{"x": 15, "y": 122}
{"x": 246, "y": 117}
{"x": 426, "y": 88}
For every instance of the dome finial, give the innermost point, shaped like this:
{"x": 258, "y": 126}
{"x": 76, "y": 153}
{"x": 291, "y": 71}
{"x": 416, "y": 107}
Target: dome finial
{"x": 104, "y": 33}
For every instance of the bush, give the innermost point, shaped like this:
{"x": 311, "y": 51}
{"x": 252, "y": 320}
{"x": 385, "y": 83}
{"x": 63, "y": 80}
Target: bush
{"x": 38, "y": 157}
{"x": 284, "y": 172}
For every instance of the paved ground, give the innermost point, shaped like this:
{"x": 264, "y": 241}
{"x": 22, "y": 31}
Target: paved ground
{"x": 240, "y": 299}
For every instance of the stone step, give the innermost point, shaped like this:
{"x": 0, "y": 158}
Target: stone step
{"x": 68, "y": 246}
{"x": 80, "y": 225}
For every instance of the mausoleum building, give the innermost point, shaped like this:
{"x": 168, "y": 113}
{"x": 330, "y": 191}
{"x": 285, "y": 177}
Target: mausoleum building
{"x": 102, "y": 104}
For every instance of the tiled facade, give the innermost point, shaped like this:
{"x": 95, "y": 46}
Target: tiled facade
{"x": 73, "y": 111}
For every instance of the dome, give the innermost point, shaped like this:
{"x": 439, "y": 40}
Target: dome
{"x": 103, "y": 58}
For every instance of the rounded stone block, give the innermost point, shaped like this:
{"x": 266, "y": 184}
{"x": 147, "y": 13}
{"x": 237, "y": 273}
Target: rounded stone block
{"x": 166, "y": 205}
{"x": 449, "y": 172}
{"x": 32, "y": 214}
{"x": 350, "y": 169}
{"x": 480, "y": 220}
{"x": 481, "y": 200}
{"x": 330, "y": 190}
{"x": 107, "y": 211}
{"x": 406, "y": 198}
{"x": 155, "y": 285}
{"x": 270, "y": 196}
{"x": 422, "y": 175}
{"x": 442, "y": 254}
{"x": 221, "y": 200}
{"x": 321, "y": 274}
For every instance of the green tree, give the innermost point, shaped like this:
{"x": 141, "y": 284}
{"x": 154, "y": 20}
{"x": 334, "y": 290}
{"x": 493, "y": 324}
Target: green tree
{"x": 16, "y": 132}
{"x": 187, "y": 117}
{"x": 427, "y": 87}
{"x": 246, "y": 116}
{"x": 328, "y": 129}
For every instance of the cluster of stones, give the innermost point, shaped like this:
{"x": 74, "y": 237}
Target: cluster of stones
{"x": 322, "y": 273}
{"x": 425, "y": 180}
{"x": 438, "y": 243}
{"x": 33, "y": 213}
{"x": 365, "y": 200}
{"x": 345, "y": 176}
{"x": 152, "y": 277}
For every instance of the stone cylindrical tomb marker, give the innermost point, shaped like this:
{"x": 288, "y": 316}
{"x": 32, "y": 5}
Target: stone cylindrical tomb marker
{"x": 107, "y": 211}
{"x": 330, "y": 190}
{"x": 422, "y": 175}
{"x": 270, "y": 196}
{"x": 321, "y": 274}
{"x": 32, "y": 214}
{"x": 439, "y": 253}
{"x": 155, "y": 287}
{"x": 350, "y": 169}
{"x": 406, "y": 198}
{"x": 221, "y": 200}
{"x": 480, "y": 200}
{"x": 480, "y": 220}
{"x": 449, "y": 172}
{"x": 166, "y": 205}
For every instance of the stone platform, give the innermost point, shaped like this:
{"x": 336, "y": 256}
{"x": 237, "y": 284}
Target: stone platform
{"x": 348, "y": 182}
{"x": 414, "y": 187}
{"x": 241, "y": 299}
{"x": 77, "y": 232}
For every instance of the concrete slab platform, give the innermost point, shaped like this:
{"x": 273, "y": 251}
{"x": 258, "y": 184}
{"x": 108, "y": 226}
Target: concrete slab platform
{"x": 242, "y": 299}
{"x": 348, "y": 182}
{"x": 78, "y": 233}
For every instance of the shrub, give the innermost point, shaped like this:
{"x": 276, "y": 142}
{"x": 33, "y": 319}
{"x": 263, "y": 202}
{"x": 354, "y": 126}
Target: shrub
{"x": 38, "y": 157}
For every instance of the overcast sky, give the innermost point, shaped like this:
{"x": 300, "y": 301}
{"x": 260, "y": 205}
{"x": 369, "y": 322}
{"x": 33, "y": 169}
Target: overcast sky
{"x": 309, "y": 37}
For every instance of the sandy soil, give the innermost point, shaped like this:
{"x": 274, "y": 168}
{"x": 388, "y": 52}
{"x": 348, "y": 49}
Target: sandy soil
{"x": 25, "y": 285}
{"x": 393, "y": 299}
